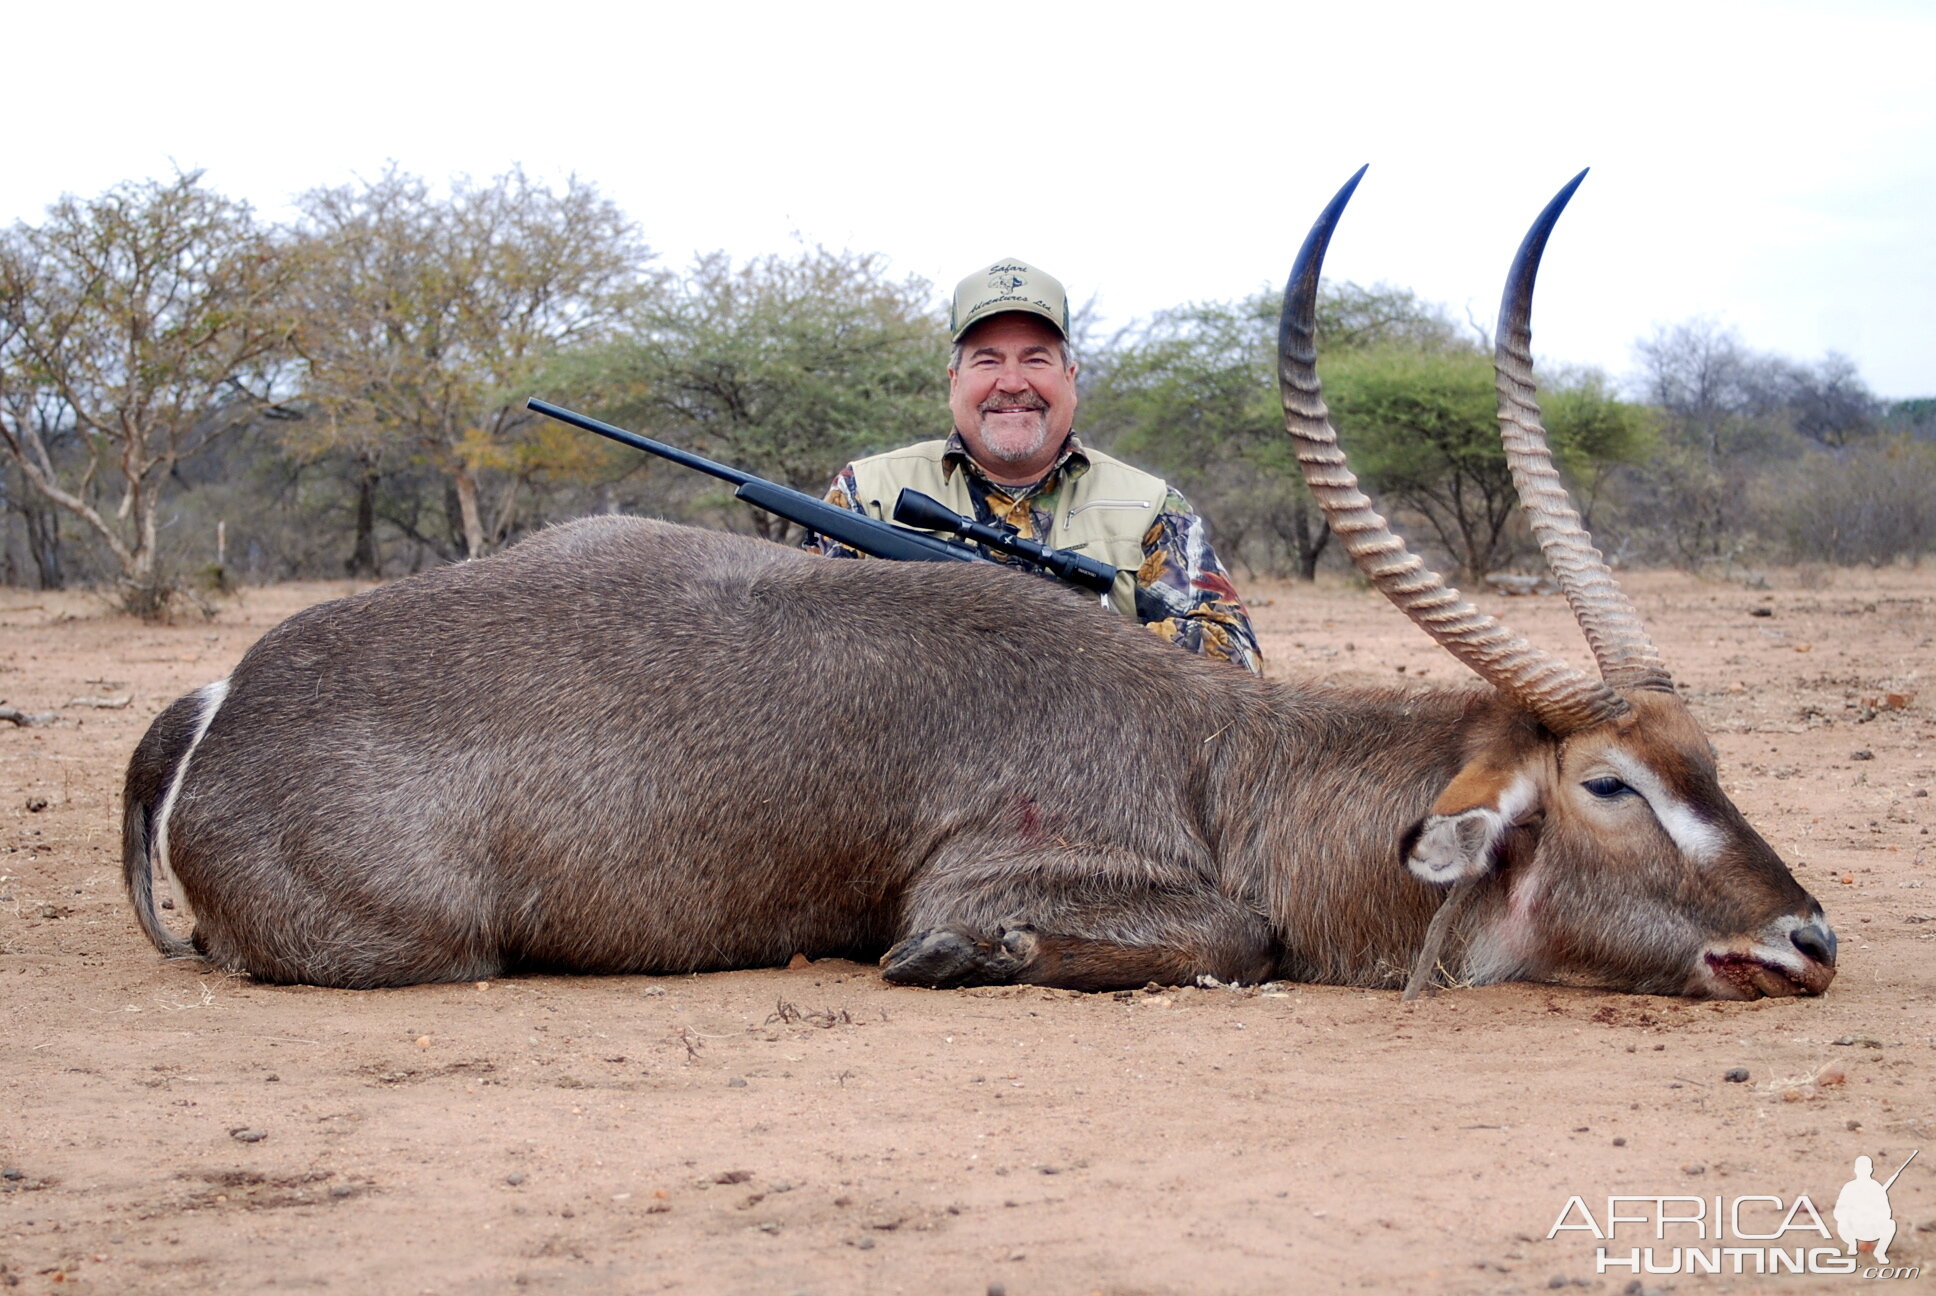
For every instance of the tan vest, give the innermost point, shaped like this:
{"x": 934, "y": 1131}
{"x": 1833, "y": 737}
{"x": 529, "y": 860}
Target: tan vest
{"x": 1103, "y": 513}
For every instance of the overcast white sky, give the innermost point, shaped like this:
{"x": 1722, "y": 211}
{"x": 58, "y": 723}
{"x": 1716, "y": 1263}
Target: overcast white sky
{"x": 1770, "y": 165}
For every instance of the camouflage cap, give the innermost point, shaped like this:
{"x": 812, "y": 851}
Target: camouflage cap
{"x": 1008, "y": 285}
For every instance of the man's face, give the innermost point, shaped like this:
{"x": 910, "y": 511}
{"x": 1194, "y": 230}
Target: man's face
{"x": 1013, "y": 399}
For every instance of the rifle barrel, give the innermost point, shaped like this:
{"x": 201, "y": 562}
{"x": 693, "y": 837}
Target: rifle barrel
{"x": 699, "y": 463}
{"x": 856, "y": 530}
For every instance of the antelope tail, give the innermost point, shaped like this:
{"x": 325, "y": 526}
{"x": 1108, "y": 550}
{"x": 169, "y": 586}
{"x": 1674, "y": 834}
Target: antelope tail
{"x": 155, "y": 777}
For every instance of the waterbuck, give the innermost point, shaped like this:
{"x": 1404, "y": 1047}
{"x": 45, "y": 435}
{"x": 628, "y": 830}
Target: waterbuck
{"x": 627, "y": 746}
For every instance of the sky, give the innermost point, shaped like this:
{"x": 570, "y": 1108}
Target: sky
{"x": 1770, "y": 166}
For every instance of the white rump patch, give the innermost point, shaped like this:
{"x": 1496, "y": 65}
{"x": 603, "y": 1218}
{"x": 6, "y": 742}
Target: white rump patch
{"x": 211, "y": 696}
{"x": 1698, "y": 839}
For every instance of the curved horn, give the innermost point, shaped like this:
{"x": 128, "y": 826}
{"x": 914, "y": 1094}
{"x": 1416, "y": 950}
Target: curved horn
{"x": 1612, "y": 627}
{"x": 1564, "y": 699}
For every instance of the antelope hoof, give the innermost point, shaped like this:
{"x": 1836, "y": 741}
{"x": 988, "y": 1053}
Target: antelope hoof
{"x": 1019, "y": 944}
{"x": 943, "y": 958}
{"x": 1451, "y": 848}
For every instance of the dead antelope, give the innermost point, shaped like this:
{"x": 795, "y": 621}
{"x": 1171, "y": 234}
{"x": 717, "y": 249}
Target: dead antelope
{"x": 626, "y": 746}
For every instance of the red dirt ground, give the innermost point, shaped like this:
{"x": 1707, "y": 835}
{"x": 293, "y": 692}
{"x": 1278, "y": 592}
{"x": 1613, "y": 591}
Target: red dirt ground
{"x": 170, "y": 1129}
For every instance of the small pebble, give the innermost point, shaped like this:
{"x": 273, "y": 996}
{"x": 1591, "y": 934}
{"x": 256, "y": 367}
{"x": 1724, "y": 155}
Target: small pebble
{"x": 1620, "y": 1142}
{"x": 515, "y": 1178}
{"x": 997, "y": 1289}
{"x": 1693, "y": 1169}
{"x": 737, "y": 1082}
{"x": 248, "y": 1135}
{"x": 1736, "y": 1075}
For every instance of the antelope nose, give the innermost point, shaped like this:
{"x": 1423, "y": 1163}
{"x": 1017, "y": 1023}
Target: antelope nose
{"x": 1816, "y": 941}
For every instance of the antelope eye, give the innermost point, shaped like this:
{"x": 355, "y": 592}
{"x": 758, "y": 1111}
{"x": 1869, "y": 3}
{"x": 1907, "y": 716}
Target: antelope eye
{"x": 1606, "y": 787}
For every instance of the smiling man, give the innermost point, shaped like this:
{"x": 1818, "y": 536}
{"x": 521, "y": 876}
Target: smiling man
{"x": 1015, "y": 460}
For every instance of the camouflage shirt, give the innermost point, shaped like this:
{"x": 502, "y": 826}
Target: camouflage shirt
{"x": 1180, "y": 576}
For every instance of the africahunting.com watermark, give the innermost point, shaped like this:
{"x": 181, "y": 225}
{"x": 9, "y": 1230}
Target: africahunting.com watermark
{"x": 1755, "y": 1233}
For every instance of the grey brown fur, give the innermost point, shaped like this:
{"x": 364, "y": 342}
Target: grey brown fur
{"x": 625, "y": 746}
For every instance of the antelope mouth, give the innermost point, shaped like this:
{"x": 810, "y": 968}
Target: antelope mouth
{"x": 1755, "y": 974}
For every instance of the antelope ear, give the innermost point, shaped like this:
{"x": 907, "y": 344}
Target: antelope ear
{"x": 1464, "y": 834}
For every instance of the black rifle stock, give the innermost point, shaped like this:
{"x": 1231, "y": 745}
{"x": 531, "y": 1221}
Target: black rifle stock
{"x": 858, "y": 531}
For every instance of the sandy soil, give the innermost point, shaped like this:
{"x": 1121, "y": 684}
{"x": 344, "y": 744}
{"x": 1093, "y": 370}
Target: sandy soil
{"x": 168, "y": 1129}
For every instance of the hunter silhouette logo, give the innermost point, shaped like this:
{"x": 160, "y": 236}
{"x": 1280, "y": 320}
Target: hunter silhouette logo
{"x": 1862, "y": 1209}
{"x": 1753, "y": 1233}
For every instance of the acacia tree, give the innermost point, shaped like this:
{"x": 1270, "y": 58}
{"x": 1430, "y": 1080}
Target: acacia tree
{"x": 1596, "y": 434}
{"x": 1423, "y": 429}
{"x": 40, "y": 519}
{"x": 1729, "y": 417}
{"x": 785, "y": 367}
{"x": 143, "y": 325}
{"x": 427, "y": 320}
{"x": 1827, "y": 402}
{"x": 1193, "y": 394}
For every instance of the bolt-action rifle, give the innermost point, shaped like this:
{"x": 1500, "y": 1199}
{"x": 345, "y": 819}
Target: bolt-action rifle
{"x": 866, "y": 534}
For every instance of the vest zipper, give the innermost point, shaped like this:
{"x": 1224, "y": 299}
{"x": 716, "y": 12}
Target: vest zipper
{"x": 1105, "y": 503}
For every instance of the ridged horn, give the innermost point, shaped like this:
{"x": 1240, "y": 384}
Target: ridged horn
{"x": 1612, "y": 627}
{"x": 1564, "y": 699}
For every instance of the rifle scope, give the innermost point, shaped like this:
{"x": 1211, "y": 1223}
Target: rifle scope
{"x": 912, "y": 508}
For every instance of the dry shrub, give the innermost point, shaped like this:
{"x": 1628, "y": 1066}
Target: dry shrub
{"x": 1869, "y": 504}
